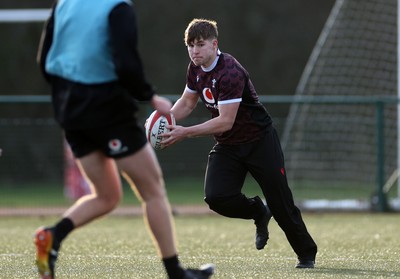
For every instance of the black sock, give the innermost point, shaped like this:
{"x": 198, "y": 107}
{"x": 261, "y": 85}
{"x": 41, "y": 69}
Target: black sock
{"x": 173, "y": 267}
{"x": 62, "y": 229}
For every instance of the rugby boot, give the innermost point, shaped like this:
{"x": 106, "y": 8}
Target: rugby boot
{"x": 305, "y": 263}
{"x": 46, "y": 252}
{"x": 205, "y": 271}
{"x": 262, "y": 233}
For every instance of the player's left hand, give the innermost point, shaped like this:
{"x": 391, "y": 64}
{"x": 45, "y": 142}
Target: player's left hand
{"x": 176, "y": 133}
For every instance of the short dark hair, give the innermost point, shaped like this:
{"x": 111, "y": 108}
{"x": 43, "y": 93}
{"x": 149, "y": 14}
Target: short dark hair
{"x": 200, "y": 28}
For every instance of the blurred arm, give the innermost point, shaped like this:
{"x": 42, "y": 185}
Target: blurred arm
{"x": 46, "y": 40}
{"x": 124, "y": 40}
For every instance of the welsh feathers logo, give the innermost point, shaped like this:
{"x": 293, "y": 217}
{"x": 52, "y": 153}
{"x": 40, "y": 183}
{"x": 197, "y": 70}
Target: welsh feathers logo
{"x": 208, "y": 96}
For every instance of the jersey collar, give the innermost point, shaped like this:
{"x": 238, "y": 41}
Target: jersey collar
{"x": 212, "y": 66}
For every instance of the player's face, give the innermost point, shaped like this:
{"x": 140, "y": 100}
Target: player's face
{"x": 203, "y": 52}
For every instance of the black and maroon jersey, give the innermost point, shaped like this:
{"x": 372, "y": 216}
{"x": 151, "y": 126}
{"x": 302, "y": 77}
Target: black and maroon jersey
{"x": 228, "y": 82}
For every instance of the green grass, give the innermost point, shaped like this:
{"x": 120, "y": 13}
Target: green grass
{"x": 181, "y": 191}
{"x": 350, "y": 246}
{"x": 39, "y": 195}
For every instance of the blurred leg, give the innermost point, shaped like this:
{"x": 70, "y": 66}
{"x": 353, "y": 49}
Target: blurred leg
{"x": 144, "y": 174}
{"x": 103, "y": 174}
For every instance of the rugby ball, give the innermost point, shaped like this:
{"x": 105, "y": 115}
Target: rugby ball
{"x": 155, "y": 126}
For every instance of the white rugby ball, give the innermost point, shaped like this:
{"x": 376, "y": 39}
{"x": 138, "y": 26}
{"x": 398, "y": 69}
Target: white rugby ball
{"x": 155, "y": 126}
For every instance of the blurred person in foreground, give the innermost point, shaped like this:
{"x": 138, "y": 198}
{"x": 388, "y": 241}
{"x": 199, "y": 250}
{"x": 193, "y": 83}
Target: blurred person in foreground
{"x": 246, "y": 142}
{"x": 88, "y": 53}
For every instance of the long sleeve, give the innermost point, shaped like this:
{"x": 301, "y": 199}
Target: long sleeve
{"x": 124, "y": 40}
{"x": 45, "y": 44}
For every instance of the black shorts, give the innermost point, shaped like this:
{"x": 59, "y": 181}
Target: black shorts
{"x": 115, "y": 141}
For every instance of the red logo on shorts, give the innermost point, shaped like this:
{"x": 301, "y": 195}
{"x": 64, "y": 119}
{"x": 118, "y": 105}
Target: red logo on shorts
{"x": 115, "y": 144}
{"x": 282, "y": 171}
{"x": 116, "y": 147}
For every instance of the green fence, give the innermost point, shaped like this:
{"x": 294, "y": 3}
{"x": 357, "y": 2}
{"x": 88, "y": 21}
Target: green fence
{"x": 379, "y": 103}
{"x": 33, "y": 147}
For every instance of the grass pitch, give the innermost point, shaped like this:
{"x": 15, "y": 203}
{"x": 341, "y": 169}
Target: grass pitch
{"x": 350, "y": 246}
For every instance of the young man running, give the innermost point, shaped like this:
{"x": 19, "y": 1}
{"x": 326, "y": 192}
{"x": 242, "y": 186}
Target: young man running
{"x": 246, "y": 142}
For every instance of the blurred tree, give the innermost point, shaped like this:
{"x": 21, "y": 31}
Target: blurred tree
{"x": 272, "y": 39}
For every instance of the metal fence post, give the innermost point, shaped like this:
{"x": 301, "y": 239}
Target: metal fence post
{"x": 380, "y": 157}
